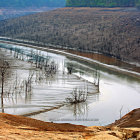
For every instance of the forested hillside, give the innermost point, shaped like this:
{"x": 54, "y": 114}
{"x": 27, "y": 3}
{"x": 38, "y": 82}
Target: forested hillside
{"x": 138, "y": 4}
{"x": 102, "y": 3}
{"x": 32, "y": 3}
{"x": 69, "y": 3}
{"x": 111, "y": 31}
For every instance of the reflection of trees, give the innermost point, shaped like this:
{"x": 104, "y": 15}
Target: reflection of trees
{"x": 83, "y": 70}
{"x": 20, "y": 88}
{"x": 79, "y": 110}
{"x": 97, "y": 80}
{"x": 16, "y": 89}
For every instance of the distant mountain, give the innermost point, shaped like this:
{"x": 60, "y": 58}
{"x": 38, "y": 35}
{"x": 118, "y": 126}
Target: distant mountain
{"x": 32, "y": 3}
{"x": 8, "y": 13}
{"x": 102, "y": 3}
{"x": 138, "y": 4}
{"x": 15, "y": 8}
{"x": 68, "y": 3}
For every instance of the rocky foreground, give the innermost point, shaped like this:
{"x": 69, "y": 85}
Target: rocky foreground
{"x": 19, "y": 127}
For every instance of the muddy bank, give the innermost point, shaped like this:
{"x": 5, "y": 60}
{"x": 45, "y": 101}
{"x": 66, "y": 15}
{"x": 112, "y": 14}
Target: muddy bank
{"x": 114, "y": 68}
{"x": 129, "y": 120}
{"x": 18, "y": 127}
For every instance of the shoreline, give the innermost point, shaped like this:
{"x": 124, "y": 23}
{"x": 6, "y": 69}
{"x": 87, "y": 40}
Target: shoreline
{"x": 85, "y": 59}
{"x": 19, "y": 127}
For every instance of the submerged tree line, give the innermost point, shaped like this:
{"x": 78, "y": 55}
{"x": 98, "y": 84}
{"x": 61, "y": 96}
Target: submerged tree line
{"x": 11, "y": 88}
{"x": 42, "y": 70}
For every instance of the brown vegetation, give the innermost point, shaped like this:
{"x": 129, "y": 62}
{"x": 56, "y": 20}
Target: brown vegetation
{"x": 114, "y": 32}
{"x": 77, "y": 96}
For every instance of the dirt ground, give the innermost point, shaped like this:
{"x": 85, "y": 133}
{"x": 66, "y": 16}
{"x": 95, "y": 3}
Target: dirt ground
{"x": 14, "y": 127}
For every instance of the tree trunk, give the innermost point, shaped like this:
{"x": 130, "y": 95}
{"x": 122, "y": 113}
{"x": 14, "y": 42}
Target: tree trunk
{"x": 2, "y": 92}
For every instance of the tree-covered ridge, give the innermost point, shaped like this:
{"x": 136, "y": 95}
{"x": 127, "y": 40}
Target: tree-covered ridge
{"x": 102, "y": 3}
{"x": 109, "y": 31}
{"x": 138, "y": 4}
{"x": 69, "y": 3}
{"x": 32, "y": 3}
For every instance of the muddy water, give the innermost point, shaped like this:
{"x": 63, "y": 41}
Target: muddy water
{"x": 118, "y": 94}
{"x": 108, "y": 60}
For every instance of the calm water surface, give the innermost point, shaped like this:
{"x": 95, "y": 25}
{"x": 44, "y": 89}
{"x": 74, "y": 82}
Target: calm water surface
{"x": 118, "y": 95}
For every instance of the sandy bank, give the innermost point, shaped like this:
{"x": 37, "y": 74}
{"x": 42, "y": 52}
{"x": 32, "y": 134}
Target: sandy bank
{"x": 19, "y": 127}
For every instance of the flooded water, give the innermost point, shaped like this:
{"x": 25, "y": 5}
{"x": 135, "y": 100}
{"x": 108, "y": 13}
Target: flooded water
{"x": 108, "y": 60}
{"x": 118, "y": 93}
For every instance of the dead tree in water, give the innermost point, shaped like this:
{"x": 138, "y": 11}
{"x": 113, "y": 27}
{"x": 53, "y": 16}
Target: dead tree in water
{"x": 29, "y": 82}
{"x": 3, "y": 68}
{"x": 78, "y": 96}
{"x": 97, "y": 80}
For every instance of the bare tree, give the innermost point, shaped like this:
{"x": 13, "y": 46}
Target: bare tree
{"x": 28, "y": 83}
{"x": 78, "y": 96}
{"x": 3, "y": 68}
{"x": 121, "y": 112}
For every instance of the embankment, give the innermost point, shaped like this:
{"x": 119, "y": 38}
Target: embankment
{"x": 19, "y": 127}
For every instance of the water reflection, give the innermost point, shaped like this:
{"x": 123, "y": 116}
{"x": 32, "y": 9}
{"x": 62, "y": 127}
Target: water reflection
{"x": 79, "y": 110}
{"x": 108, "y": 60}
{"x": 36, "y": 76}
{"x": 81, "y": 70}
{"x": 114, "y": 89}
{"x": 19, "y": 88}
